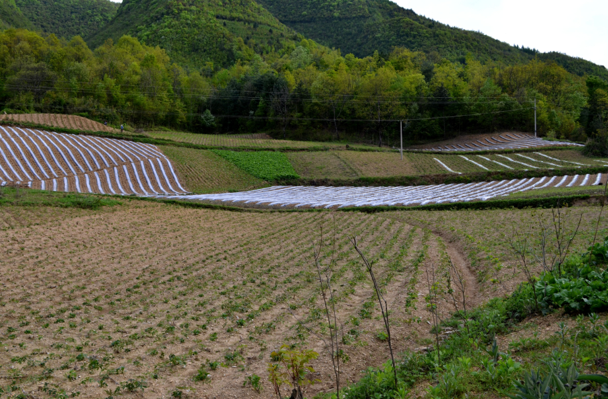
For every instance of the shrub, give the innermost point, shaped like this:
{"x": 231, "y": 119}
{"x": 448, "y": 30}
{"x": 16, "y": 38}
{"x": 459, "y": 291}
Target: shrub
{"x": 583, "y": 285}
{"x": 598, "y": 145}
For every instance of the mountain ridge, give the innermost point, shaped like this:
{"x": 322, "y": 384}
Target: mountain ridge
{"x": 68, "y": 18}
{"x": 364, "y": 26}
{"x": 12, "y": 17}
{"x": 197, "y": 32}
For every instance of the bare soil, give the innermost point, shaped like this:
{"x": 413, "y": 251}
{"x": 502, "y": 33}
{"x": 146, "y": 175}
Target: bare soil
{"x": 160, "y": 290}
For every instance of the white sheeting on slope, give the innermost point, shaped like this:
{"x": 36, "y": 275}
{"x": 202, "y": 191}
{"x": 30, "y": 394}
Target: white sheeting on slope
{"x": 327, "y": 197}
{"x": 46, "y": 158}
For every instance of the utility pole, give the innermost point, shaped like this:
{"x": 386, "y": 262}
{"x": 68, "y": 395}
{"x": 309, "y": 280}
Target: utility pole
{"x": 401, "y": 134}
{"x": 535, "y": 134}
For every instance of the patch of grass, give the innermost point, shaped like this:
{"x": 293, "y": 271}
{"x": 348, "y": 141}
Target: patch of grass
{"x": 264, "y": 165}
{"x": 36, "y": 198}
{"x": 203, "y": 171}
{"x": 250, "y": 142}
{"x": 321, "y": 165}
{"x": 560, "y": 191}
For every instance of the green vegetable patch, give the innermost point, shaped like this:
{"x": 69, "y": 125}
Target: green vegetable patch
{"x": 266, "y": 165}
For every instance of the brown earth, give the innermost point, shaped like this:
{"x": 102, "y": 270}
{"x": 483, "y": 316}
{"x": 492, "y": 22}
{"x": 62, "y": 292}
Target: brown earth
{"x": 145, "y": 286}
{"x": 74, "y": 122}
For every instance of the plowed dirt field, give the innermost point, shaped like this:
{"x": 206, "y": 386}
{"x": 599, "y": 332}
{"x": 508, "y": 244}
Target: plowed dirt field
{"x": 152, "y": 292}
{"x": 59, "y": 120}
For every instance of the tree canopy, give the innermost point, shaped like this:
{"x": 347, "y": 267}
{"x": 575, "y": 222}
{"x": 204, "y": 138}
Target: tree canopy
{"x": 295, "y": 91}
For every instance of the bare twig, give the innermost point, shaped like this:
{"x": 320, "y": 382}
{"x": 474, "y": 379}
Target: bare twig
{"x": 329, "y": 302}
{"x": 433, "y": 306}
{"x": 597, "y": 225}
{"x": 562, "y": 241}
{"x": 520, "y": 247}
{"x": 461, "y": 285}
{"x": 381, "y": 301}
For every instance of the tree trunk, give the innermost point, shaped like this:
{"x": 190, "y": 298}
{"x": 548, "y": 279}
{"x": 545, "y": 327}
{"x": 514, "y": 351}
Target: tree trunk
{"x": 336, "y": 124}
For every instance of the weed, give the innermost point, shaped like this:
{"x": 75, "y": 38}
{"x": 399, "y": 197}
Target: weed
{"x": 254, "y": 381}
{"x": 202, "y": 375}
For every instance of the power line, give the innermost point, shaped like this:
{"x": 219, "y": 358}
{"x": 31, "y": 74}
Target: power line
{"x": 40, "y": 85}
{"x": 290, "y": 118}
{"x": 206, "y": 97}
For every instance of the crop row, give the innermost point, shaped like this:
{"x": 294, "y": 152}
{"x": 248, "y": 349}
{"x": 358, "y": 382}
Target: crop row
{"x": 62, "y": 162}
{"x": 151, "y": 291}
{"x": 328, "y": 197}
{"x": 507, "y": 141}
{"x": 487, "y": 163}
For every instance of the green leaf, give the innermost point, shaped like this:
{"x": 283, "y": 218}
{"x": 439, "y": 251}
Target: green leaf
{"x": 600, "y": 379}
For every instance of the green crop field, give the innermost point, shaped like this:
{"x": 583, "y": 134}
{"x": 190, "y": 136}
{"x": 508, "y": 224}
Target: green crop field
{"x": 264, "y": 165}
{"x": 203, "y": 171}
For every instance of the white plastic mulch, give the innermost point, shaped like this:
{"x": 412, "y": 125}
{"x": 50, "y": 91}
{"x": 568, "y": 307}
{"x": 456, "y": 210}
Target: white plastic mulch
{"x": 66, "y": 162}
{"x": 507, "y": 141}
{"x": 328, "y": 197}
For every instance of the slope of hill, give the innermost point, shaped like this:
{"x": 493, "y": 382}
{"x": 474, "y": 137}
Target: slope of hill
{"x": 12, "y": 17}
{"x": 577, "y": 66}
{"x": 68, "y": 18}
{"x": 364, "y": 26}
{"x": 196, "y": 32}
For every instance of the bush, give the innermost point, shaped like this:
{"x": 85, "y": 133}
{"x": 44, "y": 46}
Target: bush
{"x": 597, "y": 146}
{"x": 583, "y": 285}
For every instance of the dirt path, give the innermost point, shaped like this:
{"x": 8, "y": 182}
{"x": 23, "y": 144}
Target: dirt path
{"x": 474, "y": 296}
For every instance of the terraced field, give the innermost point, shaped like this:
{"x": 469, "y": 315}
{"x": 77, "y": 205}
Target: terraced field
{"x": 485, "y": 234}
{"x": 248, "y": 141}
{"x": 74, "y": 122}
{"x": 322, "y": 165}
{"x": 64, "y": 162}
{"x": 505, "y": 141}
{"x": 202, "y": 171}
{"x": 130, "y": 298}
{"x": 339, "y": 197}
{"x": 150, "y": 294}
{"x": 351, "y": 164}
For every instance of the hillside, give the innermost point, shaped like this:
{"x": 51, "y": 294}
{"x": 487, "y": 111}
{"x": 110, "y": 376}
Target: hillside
{"x": 196, "y": 32}
{"x": 68, "y": 18}
{"x": 364, "y": 26}
{"x": 11, "y": 16}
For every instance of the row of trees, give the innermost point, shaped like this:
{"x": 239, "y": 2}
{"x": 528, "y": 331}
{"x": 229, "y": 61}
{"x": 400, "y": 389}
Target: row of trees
{"x": 310, "y": 89}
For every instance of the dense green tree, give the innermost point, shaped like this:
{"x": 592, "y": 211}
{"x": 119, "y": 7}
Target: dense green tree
{"x": 596, "y": 113}
{"x": 67, "y": 18}
{"x": 12, "y": 17}
{"x": 362, "y": 27}
{"x": 300, "y": 91}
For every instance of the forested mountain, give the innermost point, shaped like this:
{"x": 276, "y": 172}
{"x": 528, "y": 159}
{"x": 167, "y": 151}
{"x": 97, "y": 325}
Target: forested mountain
{"x": 195, "y": 32}
{"x": 306, "y": 92}
{"x": 364, "y": 26}
{"x": 231, "y": 66}
{"x": 11, "y": 16}
{"x": 68, "y": 18}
